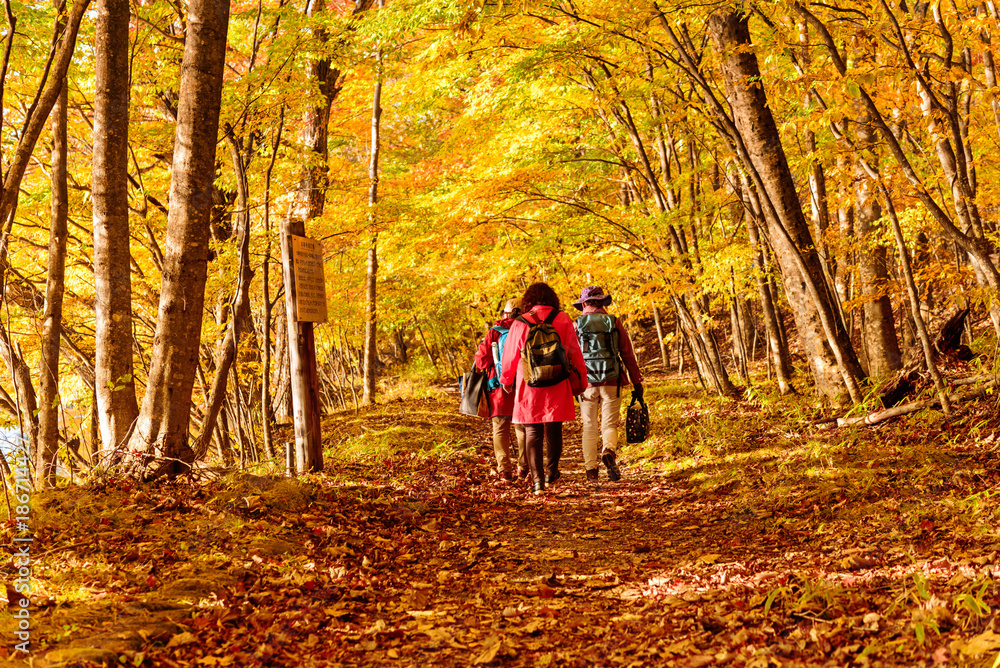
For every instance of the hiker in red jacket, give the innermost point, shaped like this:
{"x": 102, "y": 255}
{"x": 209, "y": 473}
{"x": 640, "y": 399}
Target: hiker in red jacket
{"x": 543, "y": 384}
{"x": 501, "y": 403}
{"x": 608, "y": 354}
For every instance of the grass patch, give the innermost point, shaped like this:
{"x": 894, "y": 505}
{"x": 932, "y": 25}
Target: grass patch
{"x": 431, "y": 426}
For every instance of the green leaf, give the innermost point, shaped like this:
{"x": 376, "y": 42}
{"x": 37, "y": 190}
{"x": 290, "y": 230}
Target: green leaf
{"x": 771, "y": 596}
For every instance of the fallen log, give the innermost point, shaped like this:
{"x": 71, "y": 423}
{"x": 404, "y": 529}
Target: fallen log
{"x": 914, "y": 406}
{"x": 974, "y": 379}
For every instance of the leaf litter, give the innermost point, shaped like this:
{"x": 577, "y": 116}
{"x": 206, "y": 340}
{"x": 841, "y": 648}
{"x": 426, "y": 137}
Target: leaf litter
{"x": 758, "y": 541}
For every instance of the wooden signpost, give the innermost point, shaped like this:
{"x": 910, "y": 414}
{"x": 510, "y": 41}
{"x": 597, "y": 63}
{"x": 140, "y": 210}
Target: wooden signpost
{"x": 305, "y": 303}
{"x": 310, "y": 286}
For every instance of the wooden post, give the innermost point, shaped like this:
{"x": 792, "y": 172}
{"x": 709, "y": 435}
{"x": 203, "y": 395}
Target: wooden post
{"x": 302, "y": 362}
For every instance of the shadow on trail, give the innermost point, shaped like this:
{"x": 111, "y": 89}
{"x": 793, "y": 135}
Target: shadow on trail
{"x": 811, "y": 550}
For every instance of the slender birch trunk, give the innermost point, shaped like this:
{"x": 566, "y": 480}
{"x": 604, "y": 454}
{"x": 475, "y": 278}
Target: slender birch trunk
{"x": 48, "y": 372}
{"x": 371, "y": 277}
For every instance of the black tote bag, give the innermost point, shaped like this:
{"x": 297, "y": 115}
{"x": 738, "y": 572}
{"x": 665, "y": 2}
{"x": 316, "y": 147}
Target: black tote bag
{"x": 475, "y": 398}
{"x": 637, "y": 422}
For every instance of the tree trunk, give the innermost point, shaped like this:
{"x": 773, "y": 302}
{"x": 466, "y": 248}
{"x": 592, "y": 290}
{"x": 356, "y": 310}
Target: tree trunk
{"x": 25, "y": 399}
{"x": 966, "y": 210}
{"x": 911, "y": 289}
{"x": 267, "y": 415}
{"x": 739, "y": 345}
{"x": 370, "y": 369}
{"x": 371, "y": 277}
{"x": 828, "y": 348}
{"x": 704, "y": 350}
{"x": 239, "y": 303}
{"x": 281, "y": 404}
{"x": 879, "y": 327}
{"x": 35, "y": 122}
{"x": 818, "y": 204}
{"x": 116, "y": 402}
{"x": 840, "y": 267}
{"x": 664, "y": 356}
{"x": 303, "y": 380}
{"x": 401, "y": 353}
{"x": 776, "y": 345}
{"x": 162, "y": 428}
{"x": 310, "y": 198}
{"x": 48, "y": 371}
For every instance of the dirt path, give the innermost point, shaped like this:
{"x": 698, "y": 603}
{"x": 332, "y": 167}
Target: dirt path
{"x": 424, "y": 560}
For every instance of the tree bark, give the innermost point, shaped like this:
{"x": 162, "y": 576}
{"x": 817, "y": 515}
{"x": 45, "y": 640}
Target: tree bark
{"x": 828, "y": 348}
{"x": 25, "y": 400}
{"x": 818, "y": 203}
{"x": 35, "y": 122}
{"x": 267, "y": 415}
{"x": 911, "y": 289}
{"x": 370, "y": 370}
{"x": 239, "y": 303}
{"x": 303, "y": 379}
{"x": 739, "y": 343}
{"x": 776, "y": 346}
{"x": 371, "y": 276}
{"x": 879, "y": 325}
{"x": 281, "y": 403}
{"x": 48, "y": 368}
{"x": 310, "y": 198}
{"x": 116, "y": 401}
{"x": 162, "y": 429}
{"x": 701, "y": 343}
{"x": 691, "y": 306}
{"x": 664, "y": 356}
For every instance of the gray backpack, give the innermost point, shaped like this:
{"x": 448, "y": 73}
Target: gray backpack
{"x": 598, "y": 335}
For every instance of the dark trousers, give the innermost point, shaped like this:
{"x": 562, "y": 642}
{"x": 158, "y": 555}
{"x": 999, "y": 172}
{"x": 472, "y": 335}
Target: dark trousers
{"x": 534, "y": 435}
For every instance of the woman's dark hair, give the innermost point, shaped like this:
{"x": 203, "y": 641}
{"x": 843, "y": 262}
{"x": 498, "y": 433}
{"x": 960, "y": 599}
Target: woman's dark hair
{"x": 539, "y": 293}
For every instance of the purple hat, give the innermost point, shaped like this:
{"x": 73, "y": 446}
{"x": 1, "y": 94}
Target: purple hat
{"x": 592, "y": 293}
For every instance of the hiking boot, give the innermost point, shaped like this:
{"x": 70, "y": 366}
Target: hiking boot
{"x": 538, "y": 488}
{"x": 522, "y": 472}
{"x": 507, "y": 475}
{"x": 611, "y": 463}
{"x": 592, "y": 475}
{"x": 552, "y": 477}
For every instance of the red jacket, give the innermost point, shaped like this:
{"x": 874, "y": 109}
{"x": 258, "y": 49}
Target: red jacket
{"x": 533, "y": 405}
{"x": 625, "y": 349}
{"x": 501, "y": 403}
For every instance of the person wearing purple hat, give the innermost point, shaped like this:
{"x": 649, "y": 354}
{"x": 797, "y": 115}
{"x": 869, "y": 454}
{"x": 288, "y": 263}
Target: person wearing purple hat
{"x": 608, "y": 355}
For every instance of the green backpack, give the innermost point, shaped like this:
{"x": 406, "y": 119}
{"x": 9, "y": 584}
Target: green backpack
{"x": 543, "y": 358}
{"x": 598, "y": 335}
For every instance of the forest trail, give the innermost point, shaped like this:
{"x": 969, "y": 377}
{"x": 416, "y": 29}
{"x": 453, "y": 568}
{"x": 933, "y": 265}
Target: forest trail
{"x": 416, "y": 559}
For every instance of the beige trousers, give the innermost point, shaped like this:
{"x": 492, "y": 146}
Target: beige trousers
{"x": 600, "y": 409}
{"x": 501, "y": 444}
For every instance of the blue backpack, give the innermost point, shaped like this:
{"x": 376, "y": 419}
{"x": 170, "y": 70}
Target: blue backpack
{"x": 498, "y": 345}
